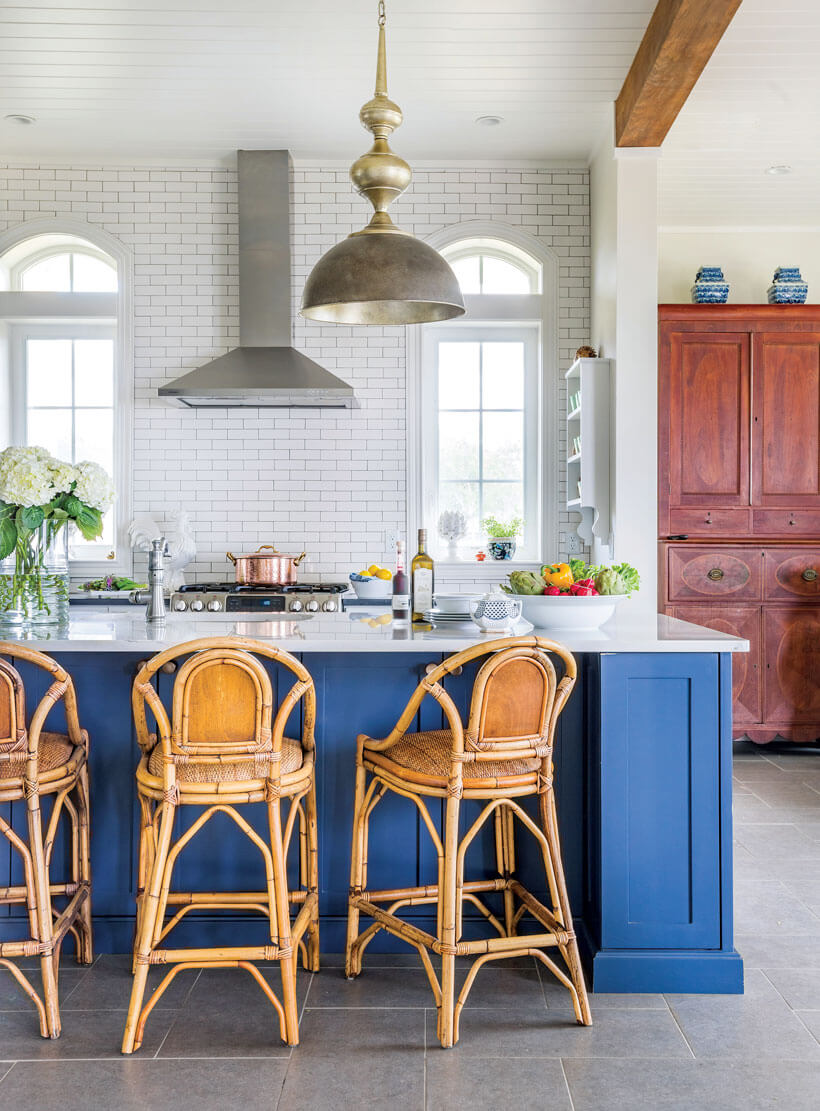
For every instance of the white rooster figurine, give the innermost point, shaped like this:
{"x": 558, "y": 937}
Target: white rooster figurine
{"x": 181, "y": 548}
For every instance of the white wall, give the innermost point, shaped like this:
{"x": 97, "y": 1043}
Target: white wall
{"x": 623, "y": 198}
{"x": 331, "y": 482}
{"x": 748, "y": 256}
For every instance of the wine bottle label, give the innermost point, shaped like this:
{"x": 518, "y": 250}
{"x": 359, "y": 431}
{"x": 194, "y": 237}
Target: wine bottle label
{"x": 422, "y": 590}
{"x": 401, "y": 602}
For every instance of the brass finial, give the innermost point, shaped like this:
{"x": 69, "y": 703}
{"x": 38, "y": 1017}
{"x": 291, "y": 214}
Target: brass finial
{"x": 380, "y": 175}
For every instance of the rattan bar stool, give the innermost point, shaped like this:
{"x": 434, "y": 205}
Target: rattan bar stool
{"x": 36, "y": 765}
{"x": 503, "y": 755}
{"x": 223, "y": 746}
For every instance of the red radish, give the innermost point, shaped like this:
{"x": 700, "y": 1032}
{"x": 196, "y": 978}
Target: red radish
{"x": 585, "y": 592}
{"x": 586, "y": 582}
{"x": 551, "y": 590}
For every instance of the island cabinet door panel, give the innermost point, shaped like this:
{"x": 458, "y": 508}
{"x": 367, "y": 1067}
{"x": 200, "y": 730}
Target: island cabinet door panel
{"x": 791, "y": 645}
{"x": 786, "y": 424}
{"x": 708, "y": 415}
{"x": 660, "y": 827}
{"x": 739, "y": 621}
{"x": 362, "y": 693}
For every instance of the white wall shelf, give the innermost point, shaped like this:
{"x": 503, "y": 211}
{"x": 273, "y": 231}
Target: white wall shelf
{"x": 589, "y": 466}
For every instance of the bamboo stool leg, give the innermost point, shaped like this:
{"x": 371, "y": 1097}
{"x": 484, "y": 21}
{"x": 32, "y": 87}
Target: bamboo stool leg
{"x": 85, "y": 950}
{"x": 42, "y": 910}
{"x": 546, "y": 805}
{"x": 353, "y": 965}
{"x": 505, "y": 860}
{"x": 144, "y": 942}
{"x": 311, "y": 880}
{"x": 447, "y": 896}
{"x": 287, "y": 961}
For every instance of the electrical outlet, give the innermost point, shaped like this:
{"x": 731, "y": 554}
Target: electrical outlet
{"x": 390, "y": 538}
{"x": 574, "y": 544}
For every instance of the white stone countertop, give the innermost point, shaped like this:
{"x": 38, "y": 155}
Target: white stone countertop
{"x": 99, "y": 630}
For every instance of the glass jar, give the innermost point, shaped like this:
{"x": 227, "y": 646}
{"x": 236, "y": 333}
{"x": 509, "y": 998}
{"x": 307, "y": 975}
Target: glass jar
{"x": 34, "y": 580}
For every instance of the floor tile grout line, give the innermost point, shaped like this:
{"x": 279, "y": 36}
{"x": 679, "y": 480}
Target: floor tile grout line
{"x": 769, "y": 980}
{"x": 8, "y": 1070}
{"x": 566, "y": 1082}
{"x": 677, "y": 1023}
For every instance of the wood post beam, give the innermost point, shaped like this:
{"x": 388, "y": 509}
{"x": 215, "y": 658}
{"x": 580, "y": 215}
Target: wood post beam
{"x": 677, "y": 44}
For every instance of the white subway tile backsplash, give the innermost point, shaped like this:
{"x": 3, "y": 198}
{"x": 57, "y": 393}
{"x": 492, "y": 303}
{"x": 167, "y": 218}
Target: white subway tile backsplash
{"x": 334, "y": 483}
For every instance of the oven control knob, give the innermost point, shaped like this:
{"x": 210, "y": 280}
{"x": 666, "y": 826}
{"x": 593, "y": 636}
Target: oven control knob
{"x": 180, "y": 605}
{"x": 329, "y": 607}
{"x": 197, "y": 604}
{"x": 295, "y": 606}
{"x": 312, "y": 605}
{"x": 214, "y": 605}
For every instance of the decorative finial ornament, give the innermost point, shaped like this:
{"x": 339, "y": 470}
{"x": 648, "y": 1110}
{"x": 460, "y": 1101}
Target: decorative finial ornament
{"x": 381, "y": 274}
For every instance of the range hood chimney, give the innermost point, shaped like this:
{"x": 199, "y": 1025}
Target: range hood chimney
{"x": 265, "y": 371}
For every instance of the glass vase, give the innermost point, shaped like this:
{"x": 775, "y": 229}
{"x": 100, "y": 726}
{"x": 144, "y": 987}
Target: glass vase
{"x": 34, "y": 581}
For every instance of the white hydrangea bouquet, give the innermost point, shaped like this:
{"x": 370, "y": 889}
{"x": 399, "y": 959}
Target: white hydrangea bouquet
{"x": 39, "y": 497}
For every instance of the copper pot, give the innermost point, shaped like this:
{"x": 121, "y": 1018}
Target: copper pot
{"x": 262, "y": 569}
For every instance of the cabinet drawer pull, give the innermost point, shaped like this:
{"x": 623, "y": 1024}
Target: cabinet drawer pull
{"x": 809, "y": 575}
{"x": 716, "y": 574}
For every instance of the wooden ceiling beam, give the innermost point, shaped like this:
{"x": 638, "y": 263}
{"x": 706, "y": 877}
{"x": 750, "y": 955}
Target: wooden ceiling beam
{"x": 679, "y": 41}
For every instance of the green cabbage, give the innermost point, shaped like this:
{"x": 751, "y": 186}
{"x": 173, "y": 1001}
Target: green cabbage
{"x": 609, "y": 581}
{"x": 525, "y": 582}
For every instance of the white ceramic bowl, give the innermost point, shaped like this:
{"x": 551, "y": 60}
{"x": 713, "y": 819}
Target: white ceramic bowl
{"x": 369, "y": 589}
{"x": 454, "y": 603}
{"x": 565, "y": 611}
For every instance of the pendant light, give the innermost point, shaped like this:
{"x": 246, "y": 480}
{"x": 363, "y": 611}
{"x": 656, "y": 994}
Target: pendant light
{"x": 381, "y": 274}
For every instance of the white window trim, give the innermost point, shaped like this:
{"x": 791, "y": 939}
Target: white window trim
{"x": 541, "y": 307}
{"x": 528, "y": 333}
{"x": 124, "y": 358}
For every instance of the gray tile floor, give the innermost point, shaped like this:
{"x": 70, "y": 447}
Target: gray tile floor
{"x": 212, "y": 1042}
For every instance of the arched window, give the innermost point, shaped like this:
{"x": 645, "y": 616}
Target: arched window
{"x": 62, "y": 322}
{"x": 485, "y": 433}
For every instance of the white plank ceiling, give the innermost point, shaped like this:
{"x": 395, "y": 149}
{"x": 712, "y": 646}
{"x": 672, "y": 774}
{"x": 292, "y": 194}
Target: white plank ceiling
{"x": 196, "y": 79}
{"x": 757, "y": 104}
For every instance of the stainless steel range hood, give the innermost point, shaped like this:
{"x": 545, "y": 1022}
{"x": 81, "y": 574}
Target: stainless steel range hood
{"x": 265, "y": 371}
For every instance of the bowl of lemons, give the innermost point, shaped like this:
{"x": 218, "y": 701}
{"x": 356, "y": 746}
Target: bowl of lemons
{"x": 374, "y": 583}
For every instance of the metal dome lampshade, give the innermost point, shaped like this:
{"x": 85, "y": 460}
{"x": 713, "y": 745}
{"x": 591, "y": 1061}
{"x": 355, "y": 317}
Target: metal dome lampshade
{"x": 381, "y": 274}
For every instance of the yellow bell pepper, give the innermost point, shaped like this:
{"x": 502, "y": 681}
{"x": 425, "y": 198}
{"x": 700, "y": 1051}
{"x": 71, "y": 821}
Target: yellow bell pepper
{"x": 557, "y": 574}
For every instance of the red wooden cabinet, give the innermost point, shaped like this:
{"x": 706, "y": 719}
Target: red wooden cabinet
{"x": 739, "y": 491}
{"x": 786, "y": 420}
{"x": 740, "y": 621}
{"x": 791, "y": 645}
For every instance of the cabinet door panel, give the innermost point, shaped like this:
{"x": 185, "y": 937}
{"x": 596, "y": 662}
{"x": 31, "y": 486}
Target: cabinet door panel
{"x": 728, "y": 574}
{"x": 791, "y": 644}
{"x": 792, "y": 574}
{"x": 786, "y": 434}
{"x": 709, "y": 419}
{"x": 740, "y": 621}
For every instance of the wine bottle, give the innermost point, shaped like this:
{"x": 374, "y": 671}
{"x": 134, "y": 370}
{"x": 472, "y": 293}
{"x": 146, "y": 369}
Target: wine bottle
{"x": 401, "y": 587}
{"x": 422, "y": 571}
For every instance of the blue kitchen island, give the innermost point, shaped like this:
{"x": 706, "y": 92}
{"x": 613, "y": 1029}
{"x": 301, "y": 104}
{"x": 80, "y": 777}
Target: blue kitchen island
{"x": 642, "y": 770}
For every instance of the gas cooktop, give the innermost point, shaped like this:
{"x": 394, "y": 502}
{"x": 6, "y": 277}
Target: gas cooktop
{"x": 231, "y": 597}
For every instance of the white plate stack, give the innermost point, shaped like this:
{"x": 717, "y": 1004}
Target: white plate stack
{"x": 450, "y": 609}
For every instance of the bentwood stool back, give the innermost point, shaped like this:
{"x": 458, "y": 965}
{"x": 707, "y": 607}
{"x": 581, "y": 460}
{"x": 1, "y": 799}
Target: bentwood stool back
{"x": 224, "y": 745}
{"x": 49, "y": 773}
{"x": 503, "y": 755}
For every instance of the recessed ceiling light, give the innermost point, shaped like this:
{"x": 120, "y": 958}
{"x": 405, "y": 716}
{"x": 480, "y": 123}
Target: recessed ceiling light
{"x": 489, "y": 121}
{"x": 778, "y": 171}
{"x": 18, "y": 117}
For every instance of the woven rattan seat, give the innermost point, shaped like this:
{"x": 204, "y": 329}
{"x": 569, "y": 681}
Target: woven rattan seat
{"x": 55, "y": 750}
{"x": 430, "y": 754}
{"x": 44, "y": 776}
{"x": 239, "y": 771}
{"x": 217, "y": 751}
{"x": 501, "y": 760}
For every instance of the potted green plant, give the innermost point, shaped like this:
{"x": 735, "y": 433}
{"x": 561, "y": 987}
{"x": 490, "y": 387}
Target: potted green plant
{"x": 39, "y": 497}
{"x": 501, "y": 536}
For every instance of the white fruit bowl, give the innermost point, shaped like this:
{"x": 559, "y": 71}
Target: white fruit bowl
{"x": 371, "y": 589}
{"x": 566, "y": 611}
